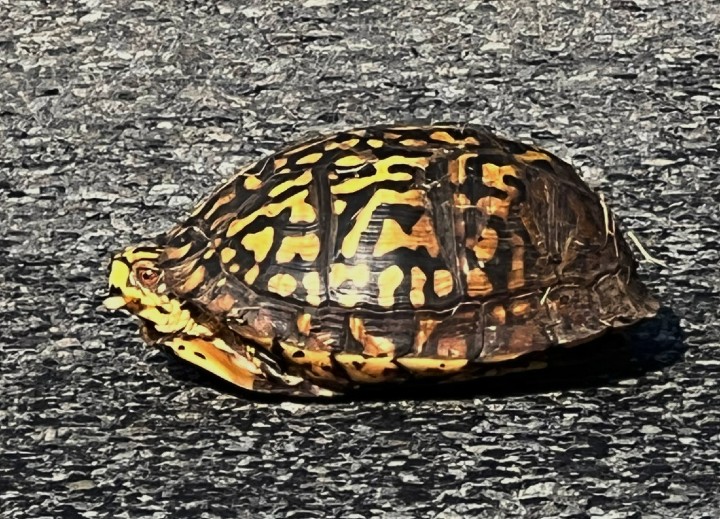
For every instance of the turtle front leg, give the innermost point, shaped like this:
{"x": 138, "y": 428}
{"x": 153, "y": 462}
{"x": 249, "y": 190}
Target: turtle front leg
{"x": 248, "y": 369}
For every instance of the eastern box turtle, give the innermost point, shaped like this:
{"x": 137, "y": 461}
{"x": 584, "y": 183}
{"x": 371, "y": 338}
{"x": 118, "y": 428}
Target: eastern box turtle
{"x": 384, "y": 254}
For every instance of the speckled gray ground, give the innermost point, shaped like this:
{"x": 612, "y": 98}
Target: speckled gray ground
{"x": 113, "y": 120}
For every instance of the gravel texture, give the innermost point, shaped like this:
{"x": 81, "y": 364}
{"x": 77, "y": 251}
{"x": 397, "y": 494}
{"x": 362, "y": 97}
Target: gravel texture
{"x": 116, "y": 116}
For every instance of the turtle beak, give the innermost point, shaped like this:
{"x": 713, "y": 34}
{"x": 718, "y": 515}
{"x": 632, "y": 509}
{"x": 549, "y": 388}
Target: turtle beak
{"x": 117, "y": 279}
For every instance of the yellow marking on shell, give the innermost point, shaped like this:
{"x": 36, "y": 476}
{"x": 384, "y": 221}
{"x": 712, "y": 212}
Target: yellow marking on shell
{"x": 452, "y": 347}
{"x": 417, "y": 286}
{"x": 443, "y": 282}
{"x": 221, "y": 201}
{"x": 194, "y": 280}
{"x": 516, "y": 276}
{"x": 478, "y": 283}
{"x": 519, "y": 308}
{"x": 375, "y": 143}
{"x": 312, "y": 158}
{"x": 457, "y": 169}
{"x": 487, "y": 245}
{"x": 382, "y": 174}
{"x": 532, "y": 155}
{"x": 317, "y": 362}
{"x": 221, "y": 304}
{"x": 307, "y": 246}
{"x": 493, "y": 206}
{"x": 304, "y": 322}
{"x": 301, "y": 180}
{"x": 446, "y": 137}
{"x": 221, "y": 283}
{"x": 498, "y": 315}
{"x": 367, "y": 370}
{"x": 413, "y": 143}
{"x": 350, "y": 161}
{"x": 344, "y": 145}
{"x": 301, "y": 211}
{"x": 282, "y": 284}
{"x": 234, "y": 268}
{"x": 340, "y": 272}
{"x": 311, "y": 282}
{"x": 259, "y": 243}
{"x": 252, "y": 274}
{"x": 412, "y": 197}
{"x": 252, "y": 183}
{"x": 371, "y": 345}
{"x": 388, "y": 281}
{"x": 432, "y": 367}
{"x": 424, "y": 330}
{"x": 279, "y": 163}
{"x": 217, "y": 358}
{"x": 339, "y": 206}
{"x": 492, "y": 176}
{"x": 227, "y": 254}
{"x": 208, "y": 254}
{"x": 392, "y": 237}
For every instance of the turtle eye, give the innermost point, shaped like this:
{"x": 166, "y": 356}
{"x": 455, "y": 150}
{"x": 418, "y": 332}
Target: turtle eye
{"x": 148, "y": 277}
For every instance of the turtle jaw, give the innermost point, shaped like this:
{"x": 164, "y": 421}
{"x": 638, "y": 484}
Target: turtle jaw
{"x": 161, "y": 313}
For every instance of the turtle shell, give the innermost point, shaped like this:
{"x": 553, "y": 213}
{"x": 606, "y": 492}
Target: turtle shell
{"x": 394, "y": 251}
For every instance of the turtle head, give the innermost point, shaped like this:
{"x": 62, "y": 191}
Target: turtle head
{"x": 137, "y": 285}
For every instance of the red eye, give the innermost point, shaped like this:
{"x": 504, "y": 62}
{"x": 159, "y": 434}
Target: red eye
{"x": 148, "y": 277}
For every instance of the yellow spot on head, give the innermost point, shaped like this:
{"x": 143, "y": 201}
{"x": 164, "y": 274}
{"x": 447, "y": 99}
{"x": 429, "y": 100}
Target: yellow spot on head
{"x": 375, "y": 143}
{"x": 234, "y": 268}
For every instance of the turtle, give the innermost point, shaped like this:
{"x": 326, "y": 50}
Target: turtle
{"x": 383, "y": 255}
